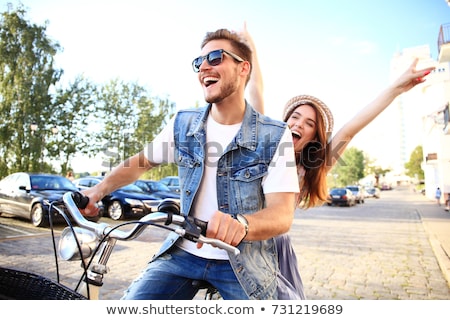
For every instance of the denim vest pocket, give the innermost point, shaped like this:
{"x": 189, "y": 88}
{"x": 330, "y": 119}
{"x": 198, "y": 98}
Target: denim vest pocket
{"x": 246, "y": 186}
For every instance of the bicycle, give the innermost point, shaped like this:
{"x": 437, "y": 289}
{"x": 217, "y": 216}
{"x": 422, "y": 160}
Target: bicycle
{"x": 94, "y": 240}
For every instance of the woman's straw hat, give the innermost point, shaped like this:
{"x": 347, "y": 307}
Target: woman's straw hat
{"x": 294, "y": 102}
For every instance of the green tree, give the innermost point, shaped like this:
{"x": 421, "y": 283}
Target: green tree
{"x": 129, "y": 117}
{"x": 27, "y": 75}
{"x": 414, "y": 165}
{"x": 74, "y": 107}
{"x": 153, "y": 116}
{"x": 350, "y": 167}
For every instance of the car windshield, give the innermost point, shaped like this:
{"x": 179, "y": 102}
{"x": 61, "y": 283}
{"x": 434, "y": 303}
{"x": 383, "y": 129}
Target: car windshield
{"x": 170, "y": 181}
{"x": 157, "y": 186}
{"x": 51, "y": 183}
{"x": 131, "y": 188}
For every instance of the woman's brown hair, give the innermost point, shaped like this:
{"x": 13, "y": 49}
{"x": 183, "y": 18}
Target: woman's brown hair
{"x": 313, "y": 157}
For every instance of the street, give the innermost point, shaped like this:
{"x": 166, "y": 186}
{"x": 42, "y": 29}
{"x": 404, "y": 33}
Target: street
{"x": 376, "y": 250}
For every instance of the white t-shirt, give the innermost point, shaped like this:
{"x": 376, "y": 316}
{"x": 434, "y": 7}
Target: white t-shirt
{"x": 281, "y": 177}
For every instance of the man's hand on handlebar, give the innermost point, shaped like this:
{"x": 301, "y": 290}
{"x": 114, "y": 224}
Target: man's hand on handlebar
{"x": 225, "y": 228}
{"x": 91, "y": 209}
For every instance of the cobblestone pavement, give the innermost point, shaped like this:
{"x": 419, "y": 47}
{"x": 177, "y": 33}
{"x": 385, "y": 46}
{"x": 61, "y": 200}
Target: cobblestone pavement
{"x": 382, "y": 249}
{"x": 376, "y": 250}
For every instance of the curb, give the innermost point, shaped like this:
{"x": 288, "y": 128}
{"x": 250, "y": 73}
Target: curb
{"x": 442, "y": 256}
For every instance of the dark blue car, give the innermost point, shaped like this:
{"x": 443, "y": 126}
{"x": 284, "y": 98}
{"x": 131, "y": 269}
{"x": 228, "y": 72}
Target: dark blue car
{"x": 129, "y": 201}
{"x": 157, "y": 189}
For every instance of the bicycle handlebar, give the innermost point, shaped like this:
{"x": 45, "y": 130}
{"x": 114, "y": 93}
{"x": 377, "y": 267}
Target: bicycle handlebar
{"x": 185, "y": 225}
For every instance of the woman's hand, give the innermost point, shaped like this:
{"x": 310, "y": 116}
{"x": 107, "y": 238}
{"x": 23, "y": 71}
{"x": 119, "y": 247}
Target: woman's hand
{"x": 410, "y": 78}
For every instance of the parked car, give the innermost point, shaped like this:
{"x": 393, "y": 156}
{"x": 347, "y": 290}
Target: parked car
{"x": 173, "y": 182}
{"x": 157, "y": 189}
{"x": 28, "y": 195}
{"x": 373, "y": 192}
{"x": 358, "y": 191}
{"x": 126, "y": 202}
{"x": 341, "y": 197}
{"x": 386, "y": 186}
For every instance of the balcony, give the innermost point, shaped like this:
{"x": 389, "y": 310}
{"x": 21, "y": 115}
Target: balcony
{"x": 444, "y": 43}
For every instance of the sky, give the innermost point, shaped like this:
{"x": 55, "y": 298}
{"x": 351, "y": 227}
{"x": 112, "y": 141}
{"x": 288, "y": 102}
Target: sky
{"x": 339, "y": 51}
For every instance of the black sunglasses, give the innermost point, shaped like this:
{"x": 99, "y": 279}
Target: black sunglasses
{"x": 214, "y": 58}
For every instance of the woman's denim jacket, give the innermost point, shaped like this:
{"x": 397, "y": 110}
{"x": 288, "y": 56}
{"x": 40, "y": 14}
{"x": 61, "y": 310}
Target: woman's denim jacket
{"x": 240, "y": 171}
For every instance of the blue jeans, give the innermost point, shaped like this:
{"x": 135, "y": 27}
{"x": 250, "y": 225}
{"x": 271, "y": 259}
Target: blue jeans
{"x": 171, "y": 277}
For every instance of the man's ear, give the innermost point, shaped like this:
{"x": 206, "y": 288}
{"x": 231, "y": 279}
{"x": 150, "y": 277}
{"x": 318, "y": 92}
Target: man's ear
{"x": 246, "y": 67}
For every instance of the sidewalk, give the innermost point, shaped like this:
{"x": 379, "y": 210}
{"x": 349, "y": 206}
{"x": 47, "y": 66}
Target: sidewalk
{"x": 436, "y": 222}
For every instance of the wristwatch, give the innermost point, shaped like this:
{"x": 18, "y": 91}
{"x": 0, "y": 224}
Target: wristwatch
{"x": 242, "y": 219}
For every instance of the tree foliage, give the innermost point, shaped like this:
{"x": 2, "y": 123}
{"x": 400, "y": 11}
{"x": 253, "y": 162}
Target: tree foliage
{"x": 414, "y": 165}
{"x": 27, "y": 73}
{"x": 350, "y": 167}
{"x": 72, "y": 115}
{"x": 128, "y": 117}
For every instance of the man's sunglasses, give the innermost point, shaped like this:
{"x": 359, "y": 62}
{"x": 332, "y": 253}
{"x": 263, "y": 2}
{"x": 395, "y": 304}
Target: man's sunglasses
{"x": 214, "y": 58}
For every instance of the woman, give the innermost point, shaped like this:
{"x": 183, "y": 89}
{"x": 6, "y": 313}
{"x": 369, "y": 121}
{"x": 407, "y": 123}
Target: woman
{"x": 311, "y": 123}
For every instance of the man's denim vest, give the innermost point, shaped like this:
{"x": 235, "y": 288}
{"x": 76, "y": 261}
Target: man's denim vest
{"x": 240, "y": 171}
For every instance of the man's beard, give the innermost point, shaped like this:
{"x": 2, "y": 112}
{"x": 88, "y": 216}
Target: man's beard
{"x": 225, "y": 92}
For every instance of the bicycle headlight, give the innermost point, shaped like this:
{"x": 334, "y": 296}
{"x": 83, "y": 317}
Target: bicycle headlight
{"x": 68, "y": 249}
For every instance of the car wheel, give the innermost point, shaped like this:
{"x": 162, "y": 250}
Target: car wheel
{"x": 37, "y": 216}
{"x": 115, "y": 210}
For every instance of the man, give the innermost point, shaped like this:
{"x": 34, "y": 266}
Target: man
{"x": 237, "y": 171}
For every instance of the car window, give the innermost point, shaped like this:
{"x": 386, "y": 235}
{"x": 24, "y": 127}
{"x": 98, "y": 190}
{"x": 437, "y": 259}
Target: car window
{"x": 81, "y": 183}
{"x": 92, "y": 182}
{"x": 86, "y": 182}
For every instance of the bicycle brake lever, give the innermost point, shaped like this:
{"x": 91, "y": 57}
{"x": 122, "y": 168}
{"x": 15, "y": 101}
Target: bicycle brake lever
{"x": 219, "y": 244}
{"x": 214, "y": 242}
